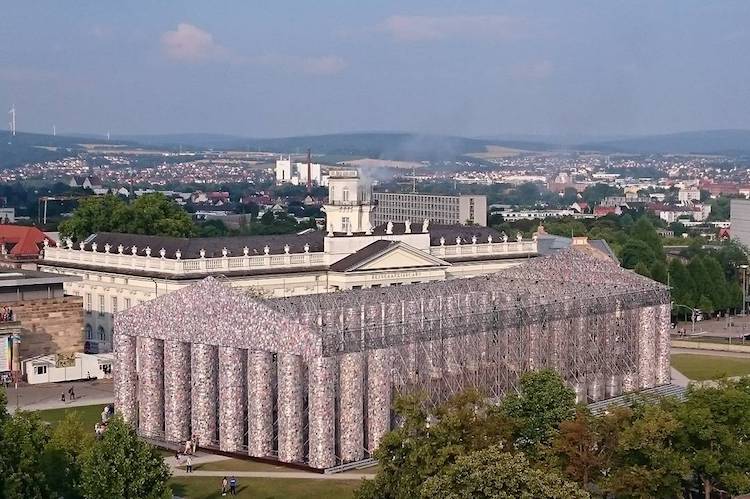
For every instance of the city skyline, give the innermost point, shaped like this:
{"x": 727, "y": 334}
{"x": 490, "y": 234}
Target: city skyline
{"x": 482, "y": 69}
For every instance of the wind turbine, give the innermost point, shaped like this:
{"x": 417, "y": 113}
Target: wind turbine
{"x": 12, "y": 114}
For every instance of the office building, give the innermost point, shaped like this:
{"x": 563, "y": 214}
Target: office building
{"x": 400, "y": 207}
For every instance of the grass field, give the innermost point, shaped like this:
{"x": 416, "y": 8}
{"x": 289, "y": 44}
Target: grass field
{"x": 704, "y": 367}
{"x": 89, "y": 414}
{"x": 265, "y": 488}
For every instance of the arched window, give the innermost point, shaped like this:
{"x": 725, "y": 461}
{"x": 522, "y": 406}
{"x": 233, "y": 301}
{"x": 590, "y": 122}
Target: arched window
{"x": 89, "y": 332}
{"x": 100, "y": 332}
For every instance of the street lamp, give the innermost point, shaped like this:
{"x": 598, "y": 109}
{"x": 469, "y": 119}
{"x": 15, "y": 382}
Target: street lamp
{"x": 744, "y": 288}
{"x": 693, "y": 316}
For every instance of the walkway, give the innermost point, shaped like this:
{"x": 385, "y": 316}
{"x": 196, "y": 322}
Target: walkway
{"x": 280, "y": 474}
{"x": 47, "y": 395}
{"x": 712, "y": 353}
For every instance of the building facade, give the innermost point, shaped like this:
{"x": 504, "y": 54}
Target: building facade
{"x": 311, "y": 379}
{"x": 399, "y": 207}
{"x": 44, "y": 319}
{"x": 118, "y": 271}
{"x": 739, "y": 218}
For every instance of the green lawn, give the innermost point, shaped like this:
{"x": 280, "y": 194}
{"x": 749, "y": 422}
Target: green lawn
{"x": 89, "y": 414}
{"x": 704, "y": 367}
{"x": 265, "y": 488}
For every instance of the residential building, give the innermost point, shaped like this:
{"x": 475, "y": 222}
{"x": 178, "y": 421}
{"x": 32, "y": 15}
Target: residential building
{"x": 21, "y": 246}
{"x": 739, "y": 218}
{"x": 415, "y": 207}
{"x": 689, "y": 194}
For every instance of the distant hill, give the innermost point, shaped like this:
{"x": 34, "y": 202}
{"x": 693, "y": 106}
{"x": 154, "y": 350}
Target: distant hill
{"x": 34, "y": 147}
{"x": 381, "y": 145}
{"x": 725, "y": 142}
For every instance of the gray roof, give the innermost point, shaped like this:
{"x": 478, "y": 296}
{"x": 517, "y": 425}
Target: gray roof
{"x": 191, "y": 247}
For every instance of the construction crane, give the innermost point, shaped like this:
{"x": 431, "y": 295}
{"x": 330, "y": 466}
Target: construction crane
{"x": 42, "y": 214}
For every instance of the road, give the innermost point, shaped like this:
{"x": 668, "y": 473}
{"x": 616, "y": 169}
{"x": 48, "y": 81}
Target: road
{"x": 48, "y": 395}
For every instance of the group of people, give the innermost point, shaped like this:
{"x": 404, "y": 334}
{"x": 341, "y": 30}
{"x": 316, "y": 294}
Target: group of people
{"x": 189, "y": 450}
{"x": 71, "y": 395}
{"x": 6, "y": 314}
{"x": 107, "y": 412}
{"x": 229, "y": 485}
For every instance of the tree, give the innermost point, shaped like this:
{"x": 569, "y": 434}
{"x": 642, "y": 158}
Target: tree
{"x": 646, "y": 463}
{"x": 636, "y": 251}
{"x": 542, "y": 402}
{"x": 658, "y": 272}
{"x": 493, "y": 473}
{"x": 428, "y": 441}
{"x": 715, "y": 434}
{"x": 96, "y": 214}
{"x": 585, "y": 445}
{"x": 683, "y": 286}
{"x": 122, "y": 465}
{"x": 62, "y": 458}
{"x": 152, "y": 214}
{"x": 643, "y": 230}
{"x": 642, "y": 269}
{"x": 22, "y": 443}
{"x": 156, "y": 214}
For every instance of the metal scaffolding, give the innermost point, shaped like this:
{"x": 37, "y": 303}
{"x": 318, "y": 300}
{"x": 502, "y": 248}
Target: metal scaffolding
{"x": 318, "y": 373}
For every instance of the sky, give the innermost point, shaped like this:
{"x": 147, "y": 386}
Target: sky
{"x": 469, "y": 68}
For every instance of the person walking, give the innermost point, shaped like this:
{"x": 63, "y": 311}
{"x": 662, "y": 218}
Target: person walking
{"x": 233, "y": 485}
{"x": 189, "y": 464}
{"x": 62, "y": 397}
{"x": 224, "y": 486}
{"x": 188, "y": 447}
{"x": 72, "y": 394}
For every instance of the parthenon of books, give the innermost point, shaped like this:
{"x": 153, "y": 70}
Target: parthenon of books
{"x": 310, "y": 379}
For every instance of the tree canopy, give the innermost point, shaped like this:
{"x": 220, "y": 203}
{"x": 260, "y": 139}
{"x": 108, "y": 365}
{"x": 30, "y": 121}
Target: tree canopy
{"x": 150, "y": 214}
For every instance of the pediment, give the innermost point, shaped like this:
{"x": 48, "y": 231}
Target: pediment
{"x": 397, "y": 256}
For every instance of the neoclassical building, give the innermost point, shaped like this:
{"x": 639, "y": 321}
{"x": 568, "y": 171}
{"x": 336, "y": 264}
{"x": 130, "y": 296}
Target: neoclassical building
{"x": 119, "y": 271}
{"x": 310, "y": 379}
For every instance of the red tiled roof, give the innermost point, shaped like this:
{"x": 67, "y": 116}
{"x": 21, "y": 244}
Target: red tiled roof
{"x": 22, "y": 240}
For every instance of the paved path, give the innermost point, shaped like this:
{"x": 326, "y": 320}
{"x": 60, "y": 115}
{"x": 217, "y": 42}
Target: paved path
{"x": 679, "y": 379}
{"x": 47, "y": 395}
{"x": 277, "y": 474}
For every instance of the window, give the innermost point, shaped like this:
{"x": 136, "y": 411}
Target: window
{"x": 100, "y": 332}
{"x": 101, "y": 304}
{"x": 346, "y": 224}
{"x": 87, "y": 303}
{"x": 114, "y": 305}
{"x": 89, "y": 332}
{"x": 127, "y": 303}
{"x": 345, "y": 194}
{"x": 40, "y": 369}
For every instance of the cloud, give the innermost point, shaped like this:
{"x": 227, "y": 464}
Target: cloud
{"x": 189, "y": 43}
{"x": 538, "y": 70}
{"x": 426, "y": 28}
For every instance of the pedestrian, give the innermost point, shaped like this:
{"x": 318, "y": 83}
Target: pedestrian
{"x": 233, "y": 485}
{"x": 62, "y": 397}
{"x": 72, "y": 394}
{"x": 189, "y": 464}
{"x": 195, "y": 443}
{"x": 188, "y": 447}
{"x": 224, "y": 486}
